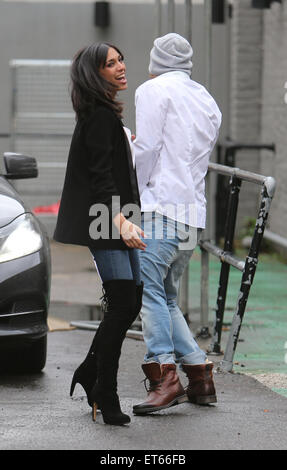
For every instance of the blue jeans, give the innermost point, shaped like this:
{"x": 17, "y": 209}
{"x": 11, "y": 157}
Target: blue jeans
{"x": 117, "y": 264}
{"x": 166, "y": 333}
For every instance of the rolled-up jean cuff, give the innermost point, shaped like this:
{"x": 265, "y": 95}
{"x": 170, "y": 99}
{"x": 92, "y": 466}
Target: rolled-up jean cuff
{"x": 161, "y": 359}
{"x": 197, "y": 357}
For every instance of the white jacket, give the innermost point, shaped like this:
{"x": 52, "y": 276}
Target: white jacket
{"x": 177, "y": 125}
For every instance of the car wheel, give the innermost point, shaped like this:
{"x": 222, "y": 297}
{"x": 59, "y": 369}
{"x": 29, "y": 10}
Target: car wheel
{"x": 35, "y": 359}
{"x": 31, "y": 358}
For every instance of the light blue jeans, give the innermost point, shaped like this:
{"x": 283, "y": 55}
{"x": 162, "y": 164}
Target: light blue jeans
{"x": 167, "y": 336}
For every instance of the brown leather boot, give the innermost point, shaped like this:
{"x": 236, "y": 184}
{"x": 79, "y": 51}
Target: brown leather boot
{"x": 200, "y": 388}
{"x": 165, "y": 388}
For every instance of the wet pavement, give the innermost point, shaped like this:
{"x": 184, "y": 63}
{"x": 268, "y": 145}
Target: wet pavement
{"x": 38, "y": 413}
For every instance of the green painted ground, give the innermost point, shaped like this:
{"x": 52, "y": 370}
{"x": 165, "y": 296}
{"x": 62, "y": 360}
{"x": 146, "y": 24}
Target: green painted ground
{"x": 262, "y": 346}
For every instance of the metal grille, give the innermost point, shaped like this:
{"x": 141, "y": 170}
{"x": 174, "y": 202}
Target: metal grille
{"x": 42, "y": 124}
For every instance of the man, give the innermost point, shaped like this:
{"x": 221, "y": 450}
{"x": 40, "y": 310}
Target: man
{"x": 177, "y": 125}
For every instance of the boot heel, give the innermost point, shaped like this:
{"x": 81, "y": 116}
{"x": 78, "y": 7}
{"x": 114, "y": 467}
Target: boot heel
{"x": 73, "y": 384}
{"x": 182, "y": 399}
{"x": 205, "y": 400}
{"x": 95, "y": 407}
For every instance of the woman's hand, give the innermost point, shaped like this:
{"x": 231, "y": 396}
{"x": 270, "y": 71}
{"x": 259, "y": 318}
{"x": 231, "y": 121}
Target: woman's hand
{"x": 130, "y": 235}
{"x": 130, "y": 232}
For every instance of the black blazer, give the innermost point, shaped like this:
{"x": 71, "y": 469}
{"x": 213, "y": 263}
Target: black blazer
{"x": 99, "y": 167}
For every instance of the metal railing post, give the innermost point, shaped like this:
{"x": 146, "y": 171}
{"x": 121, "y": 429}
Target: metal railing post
{"x": 158, "y": 17}
{"x": 171, "y": 16}
{"x": 248, "y": 273}
{"x": 204, "y": 294}
{"x": 208, "y": 41}
{"x": 183, "y": 297}
{"x": 188, "y": 20}
{"x": 231, "y": 215}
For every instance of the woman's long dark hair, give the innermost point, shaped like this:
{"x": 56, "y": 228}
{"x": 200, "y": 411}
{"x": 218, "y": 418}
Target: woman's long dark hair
{"x": 88, "y": 87}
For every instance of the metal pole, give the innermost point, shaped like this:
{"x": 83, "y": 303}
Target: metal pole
{"x": 225, "y": 267}
{"x": 204, "y": 277}
{"x": 94, "y": 325}
{"x": 171, "y": 16}
{"x": 184, "y": 294}
{"x": 204, "y": 294}
{"x": 278, "y": 239}
{"x": 248, "y": 274}
{"x": 222, "y": 255}
{"x": 228, "y": 66}
{"x": 13, "y": 107}
{"x": 188, "y": 20}
{"x": 208, "y": 40}
{"x": 207, "y": 21}
{"x": 158, "y": 17}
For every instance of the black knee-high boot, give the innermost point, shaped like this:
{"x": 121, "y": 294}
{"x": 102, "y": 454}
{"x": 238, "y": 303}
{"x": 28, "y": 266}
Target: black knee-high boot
{"x": 86, "y": 373}
{"x": 120, "y": 314}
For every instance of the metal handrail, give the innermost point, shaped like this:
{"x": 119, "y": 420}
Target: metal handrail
{"x": 226, "y": 155}
{"x": 244, "y": 175}
{"x": 227, "y": 258}
{"x": 275, "y": 238}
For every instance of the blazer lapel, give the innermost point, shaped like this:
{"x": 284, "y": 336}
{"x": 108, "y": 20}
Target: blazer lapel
{"x": 132, "y": 171}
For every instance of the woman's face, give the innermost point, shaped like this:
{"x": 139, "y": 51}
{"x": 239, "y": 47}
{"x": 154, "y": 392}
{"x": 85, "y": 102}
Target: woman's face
{"x": 114, "y": 70}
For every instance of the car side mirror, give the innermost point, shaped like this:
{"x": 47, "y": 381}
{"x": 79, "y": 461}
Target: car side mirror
{"x": 20, "y": 166}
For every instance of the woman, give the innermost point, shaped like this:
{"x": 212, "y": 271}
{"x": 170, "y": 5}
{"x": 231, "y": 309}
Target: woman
{"x": 100, "y": 180}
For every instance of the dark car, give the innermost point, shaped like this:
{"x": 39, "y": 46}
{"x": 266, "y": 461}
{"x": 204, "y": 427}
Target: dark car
{"x": 25, "y": 274}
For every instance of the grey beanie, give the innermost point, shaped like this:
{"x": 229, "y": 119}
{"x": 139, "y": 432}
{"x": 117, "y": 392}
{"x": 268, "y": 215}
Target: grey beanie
{"x": 170, "y": 52}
